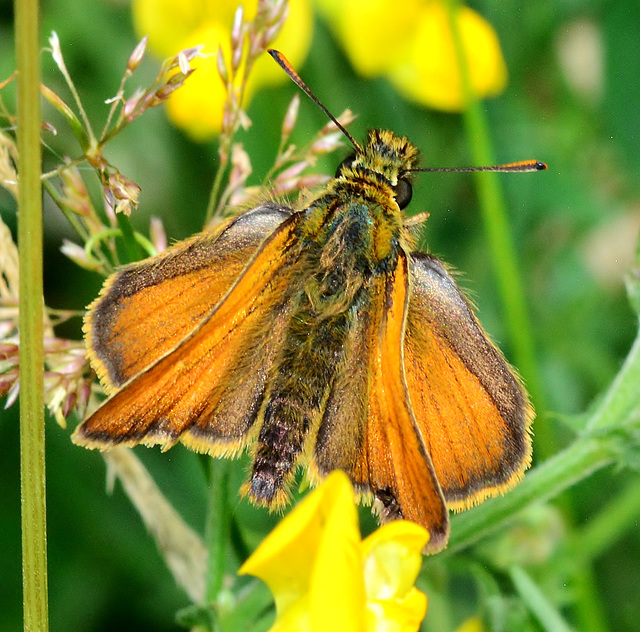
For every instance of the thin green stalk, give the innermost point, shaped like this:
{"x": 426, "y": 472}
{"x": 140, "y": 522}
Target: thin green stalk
{"x": 501, "y": 246}
{"x": 32, "y": 447}
{"x": 215, "y": 188}
{"x": 132, "y": 249}
{"x": 217, "y": 529}
{"x": 71, "y": 217}
{"x": 546, "y": 613}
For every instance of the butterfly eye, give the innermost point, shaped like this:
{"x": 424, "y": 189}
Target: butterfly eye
{"x": 347, "y": 162}
{"x": 403, "y": 192}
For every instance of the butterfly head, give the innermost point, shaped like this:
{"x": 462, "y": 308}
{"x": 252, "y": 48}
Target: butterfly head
{"x": 387, "y": 158}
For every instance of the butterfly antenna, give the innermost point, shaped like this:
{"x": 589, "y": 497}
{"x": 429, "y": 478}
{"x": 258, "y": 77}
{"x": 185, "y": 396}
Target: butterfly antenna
{"x": 283, "y": 62}
{"x": 524, "y": 166}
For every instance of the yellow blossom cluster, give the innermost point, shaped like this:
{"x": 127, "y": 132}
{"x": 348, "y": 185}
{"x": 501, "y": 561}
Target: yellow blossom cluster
{"x": 413, "y": 46}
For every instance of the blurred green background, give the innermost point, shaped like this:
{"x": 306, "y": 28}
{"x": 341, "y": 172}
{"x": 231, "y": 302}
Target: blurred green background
{"x": 571, "y": 101}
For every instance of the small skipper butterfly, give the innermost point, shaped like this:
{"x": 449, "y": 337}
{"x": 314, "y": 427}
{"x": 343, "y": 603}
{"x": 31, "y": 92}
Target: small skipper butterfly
{"x": 317, "y": 338}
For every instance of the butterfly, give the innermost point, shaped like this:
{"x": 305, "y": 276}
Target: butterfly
{"x": 317, "y": 338}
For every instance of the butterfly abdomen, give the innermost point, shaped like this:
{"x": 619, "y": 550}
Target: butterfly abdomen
{"x": 294, "y": 403}
{"x": 337, "y": 270}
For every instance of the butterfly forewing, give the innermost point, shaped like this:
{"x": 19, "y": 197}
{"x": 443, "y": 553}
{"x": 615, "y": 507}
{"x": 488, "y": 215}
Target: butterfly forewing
{"x": 147, "y": 308}
{"x": 207, "y": 391}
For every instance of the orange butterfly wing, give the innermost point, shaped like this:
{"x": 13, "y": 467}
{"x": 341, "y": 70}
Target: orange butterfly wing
{"x": 207, "y": 391}
{"x": 147, "y": 308}
{"x": 470, "y": 407}
{"x": 368, "y": 429}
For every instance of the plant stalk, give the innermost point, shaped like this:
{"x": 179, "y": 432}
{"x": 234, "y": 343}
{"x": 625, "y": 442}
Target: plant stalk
{"x": 32, "y": 443}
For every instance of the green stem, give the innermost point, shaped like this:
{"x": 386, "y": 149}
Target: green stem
{"x": 70, "y": 215}
{"x": 217, "y": 529}
{"x": 623, "y": 397}
{"x": 132, "y": 249}
{"x": 32, "y": 446}
{"x": 501, "y": 246}
{"x": 215, "y": 188}
{"x": 578, "y": 461}
{"x": 537, "y": 602}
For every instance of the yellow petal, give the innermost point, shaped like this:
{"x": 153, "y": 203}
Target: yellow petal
{"x": 168, "y": 23}
{"x": 296, "y": 618}
{"x": 430, "y": 74}
{"x": 392, "y": 559}
{"x": 398, "y": 615}
{"x": 337, "y": 586}
{"x": 310, "y": 556}
{"x": 373, "y": 33}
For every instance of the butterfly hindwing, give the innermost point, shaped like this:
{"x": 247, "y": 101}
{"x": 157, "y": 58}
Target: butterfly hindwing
{"x": 340, "y": 442}
{"x": 468, "y": 402}
{"x": 369, "y": 429}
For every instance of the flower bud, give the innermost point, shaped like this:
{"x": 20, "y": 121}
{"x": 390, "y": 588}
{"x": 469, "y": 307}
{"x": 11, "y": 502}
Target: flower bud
{"x": 137, "y": 55}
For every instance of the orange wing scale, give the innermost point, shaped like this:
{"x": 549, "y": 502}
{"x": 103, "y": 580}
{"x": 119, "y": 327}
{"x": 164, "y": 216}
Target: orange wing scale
{"x": 399, "y": 462}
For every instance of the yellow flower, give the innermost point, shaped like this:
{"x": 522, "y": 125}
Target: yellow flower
{"x": 414, "y": 48}
{"x": 474, "y": 624}
{"x": 372, "y": 32}
{"x": 323, "y": 577}
{"x": 173, "y": 26}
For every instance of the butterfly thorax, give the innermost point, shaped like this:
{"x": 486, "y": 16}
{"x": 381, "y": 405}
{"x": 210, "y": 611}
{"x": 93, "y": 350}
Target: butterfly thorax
{"x": 361, "y": 203}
